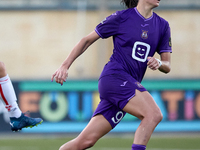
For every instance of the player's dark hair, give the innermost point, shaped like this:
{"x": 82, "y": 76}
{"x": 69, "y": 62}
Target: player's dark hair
{"x": 130, "y": 3}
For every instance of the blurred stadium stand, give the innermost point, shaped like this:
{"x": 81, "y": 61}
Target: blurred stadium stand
{"x": 90, "y": 4}
{"x": 34, "y": 28}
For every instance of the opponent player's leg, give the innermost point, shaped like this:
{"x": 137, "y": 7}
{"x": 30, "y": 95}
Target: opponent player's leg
{"x": 96, "y": 128}
{"x": 7, "y": 95}
{"x": 143, "y": 106}
{"x": 2, "y": 70}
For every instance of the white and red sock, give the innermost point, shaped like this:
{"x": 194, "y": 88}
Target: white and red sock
{"x": 8, "y": 96}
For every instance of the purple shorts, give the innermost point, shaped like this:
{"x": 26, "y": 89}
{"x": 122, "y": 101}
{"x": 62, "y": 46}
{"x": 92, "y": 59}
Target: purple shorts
{"x": 115, "y": 92}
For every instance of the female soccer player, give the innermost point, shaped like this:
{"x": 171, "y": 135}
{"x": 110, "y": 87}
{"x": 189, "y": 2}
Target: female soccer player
{"x": 7, "y": 94}
{"x": 137, "y": 34}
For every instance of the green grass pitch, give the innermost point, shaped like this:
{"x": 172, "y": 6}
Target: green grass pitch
{"x": 109, "y": 142}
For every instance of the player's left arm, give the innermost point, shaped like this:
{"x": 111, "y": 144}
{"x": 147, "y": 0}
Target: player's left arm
{"x": 164, "y": 49}
{"x": 162, "y": 64}
{"x": 166, "y": 62}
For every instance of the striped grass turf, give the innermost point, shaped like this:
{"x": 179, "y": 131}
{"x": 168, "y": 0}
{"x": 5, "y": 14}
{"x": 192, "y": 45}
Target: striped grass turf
{"x": 107, "y": 143}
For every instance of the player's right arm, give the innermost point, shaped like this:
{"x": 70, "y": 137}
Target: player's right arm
{"x": 61, "y": 73}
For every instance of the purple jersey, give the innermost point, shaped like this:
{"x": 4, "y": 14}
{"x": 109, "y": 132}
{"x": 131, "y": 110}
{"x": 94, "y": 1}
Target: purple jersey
{"x": 135, "y": 38}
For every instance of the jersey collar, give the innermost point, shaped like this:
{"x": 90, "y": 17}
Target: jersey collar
{"x": 145, "y": 19}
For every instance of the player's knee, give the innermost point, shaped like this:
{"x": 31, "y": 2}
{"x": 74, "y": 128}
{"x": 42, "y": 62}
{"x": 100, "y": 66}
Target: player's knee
{"x": 87, "y": 144}
{"x": 62, "y": 148}
{"x": 78, "y": 144}
{"x": 71, "y": 145}
{"x": 65, "y": 147}
{"x": 91, "y": 143}
{"x": 154, "y": 116}
{"x": 157, "y": 116}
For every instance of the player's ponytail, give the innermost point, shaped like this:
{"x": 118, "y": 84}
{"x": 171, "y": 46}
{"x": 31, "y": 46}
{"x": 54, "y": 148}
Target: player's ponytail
{"x": 130, "y": 3}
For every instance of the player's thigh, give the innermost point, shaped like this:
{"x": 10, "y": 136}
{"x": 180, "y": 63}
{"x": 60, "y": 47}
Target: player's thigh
{"x": 96, "y": 128}
{"x": 142, "y": 105}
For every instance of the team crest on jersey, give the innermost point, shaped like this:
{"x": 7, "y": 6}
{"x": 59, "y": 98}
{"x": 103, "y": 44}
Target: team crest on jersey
{"x": 144, "y": 34}
{"x": 139, "y": 84}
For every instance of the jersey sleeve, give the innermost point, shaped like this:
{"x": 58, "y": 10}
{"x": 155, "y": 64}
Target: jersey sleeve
{"x": 165, "y": 43}
{"x": 109, "y": 26}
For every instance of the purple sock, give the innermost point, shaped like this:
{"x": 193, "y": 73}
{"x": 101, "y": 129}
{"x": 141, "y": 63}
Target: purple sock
{"x": 138, "y": 147}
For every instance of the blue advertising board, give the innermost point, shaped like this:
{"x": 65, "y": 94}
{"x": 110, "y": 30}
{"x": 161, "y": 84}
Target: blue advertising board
{"x": 68, "y": 108}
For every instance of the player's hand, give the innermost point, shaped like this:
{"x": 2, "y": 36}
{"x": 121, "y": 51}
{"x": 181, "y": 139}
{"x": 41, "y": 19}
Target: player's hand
{"x": 153, "y": 63}
{"x": 60, "y": 75}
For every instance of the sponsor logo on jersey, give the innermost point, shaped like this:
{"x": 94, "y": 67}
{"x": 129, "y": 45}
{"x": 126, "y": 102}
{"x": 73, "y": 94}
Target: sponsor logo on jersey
{"x": 144, "y": 34}
{"x": 144, "y": 25}
{"x": 124, "y": 83}
{"x": 140, "y": 51}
